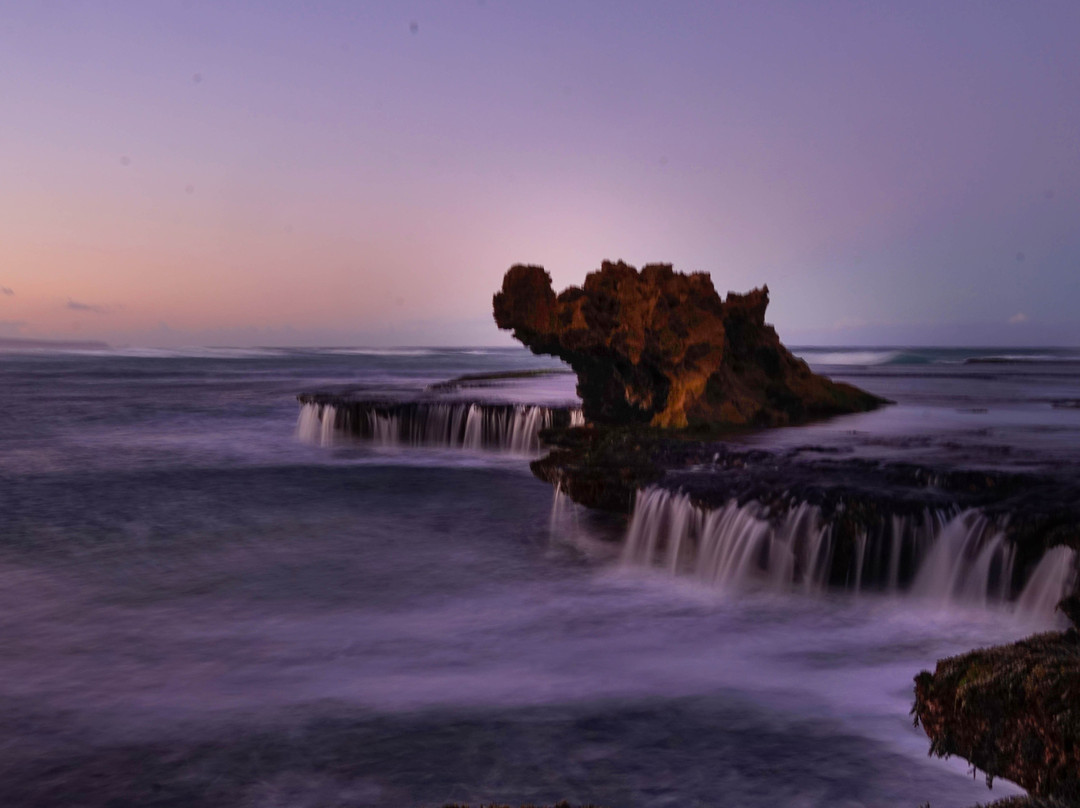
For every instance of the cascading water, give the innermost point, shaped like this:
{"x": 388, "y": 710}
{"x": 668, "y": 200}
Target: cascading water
{"x": 507, "y": 427}
{"x": 1052, "y": 579}
{"x": 565, "y": 522}
{"x": 970, "y": 562}
{"x": 734, "y": 546}
{"x": 887, "y": 558}
{"x": 316, "y": 424}
{"x": 940, "y": 556}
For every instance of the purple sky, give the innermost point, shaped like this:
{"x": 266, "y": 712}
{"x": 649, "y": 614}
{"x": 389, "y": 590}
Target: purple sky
{"x": 363, "y": 173}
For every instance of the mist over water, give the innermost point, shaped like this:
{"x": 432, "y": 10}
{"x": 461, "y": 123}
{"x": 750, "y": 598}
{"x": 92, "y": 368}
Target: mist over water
{"x": 199, "y": 609}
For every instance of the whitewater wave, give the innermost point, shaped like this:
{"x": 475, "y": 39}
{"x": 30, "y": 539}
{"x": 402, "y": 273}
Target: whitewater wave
{"x": 855, "y": 356}
{"x": 849, "y": 357}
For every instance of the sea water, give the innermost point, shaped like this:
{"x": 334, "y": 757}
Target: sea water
{"x": 198, "y": 608}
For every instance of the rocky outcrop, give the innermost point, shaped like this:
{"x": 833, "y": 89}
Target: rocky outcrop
{"x": 660, "y": 347}
{"x": 883, "y": 518}
{"x": 1012, "y": 711}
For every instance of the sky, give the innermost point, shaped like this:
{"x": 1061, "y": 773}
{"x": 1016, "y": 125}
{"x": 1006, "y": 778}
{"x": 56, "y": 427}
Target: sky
{"x": 350, "y": 173}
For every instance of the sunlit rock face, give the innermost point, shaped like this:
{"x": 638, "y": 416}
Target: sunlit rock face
{"x": 660, "y": 347}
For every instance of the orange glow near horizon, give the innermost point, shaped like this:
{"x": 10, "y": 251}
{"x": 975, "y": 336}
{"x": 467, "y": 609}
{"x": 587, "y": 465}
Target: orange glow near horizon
{"x": 190, "y": 175}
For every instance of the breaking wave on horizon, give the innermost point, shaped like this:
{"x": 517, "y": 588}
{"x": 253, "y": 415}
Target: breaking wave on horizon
{"x": 870, "y": 357}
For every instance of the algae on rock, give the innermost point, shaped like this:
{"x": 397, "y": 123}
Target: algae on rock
{"x": 1012, "y": 711}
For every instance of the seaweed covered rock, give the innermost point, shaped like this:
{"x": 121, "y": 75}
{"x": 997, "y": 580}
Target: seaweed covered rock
{"x": 1012, "y": 711}
{"x": 660, "y": 347}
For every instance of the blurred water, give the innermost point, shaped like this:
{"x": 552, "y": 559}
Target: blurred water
{"x": 1008, "y": 408}
{"x": 197, "y": 609}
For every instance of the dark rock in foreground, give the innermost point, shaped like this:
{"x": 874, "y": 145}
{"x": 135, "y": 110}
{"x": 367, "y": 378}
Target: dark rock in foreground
{"x": 603, "y": 468}
{"x": 883, "y": 520}
{"x": 659, "y": 347}
{"x": 1012, "y": 711}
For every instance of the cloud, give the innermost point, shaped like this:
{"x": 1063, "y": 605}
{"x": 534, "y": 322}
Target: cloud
{"x": 75, "y": 305}
{"x": 1017, "y": 318}
{"x": 6, "y": 291}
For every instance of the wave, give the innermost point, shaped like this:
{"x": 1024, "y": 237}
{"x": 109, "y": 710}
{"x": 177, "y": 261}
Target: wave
{"x": 849, "y": 357}
{"x": 855, "y": 356}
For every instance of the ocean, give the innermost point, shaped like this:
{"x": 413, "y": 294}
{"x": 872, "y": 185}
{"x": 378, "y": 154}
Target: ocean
{"x": 204, "y": 602}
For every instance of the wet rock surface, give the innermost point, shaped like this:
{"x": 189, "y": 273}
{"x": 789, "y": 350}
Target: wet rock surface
{"x": 857, "y": 497}
{"x": 1013, "y": 711}
{"x": 661, "y": 348}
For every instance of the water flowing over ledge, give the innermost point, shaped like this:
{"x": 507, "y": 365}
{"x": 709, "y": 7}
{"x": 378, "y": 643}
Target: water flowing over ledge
{"x": 947, "y": 556}
{"x": 515, "y": 428}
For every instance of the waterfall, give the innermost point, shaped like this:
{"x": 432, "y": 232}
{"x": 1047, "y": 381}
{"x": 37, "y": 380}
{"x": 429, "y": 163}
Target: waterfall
{"x": 887, "y": 558}
{"x": 734, "y": 546}
{"x": 507, "y": 427}
{"x": 316, "y": 424}
{"x": 564, "y": 523}
{"x": 944, "y": 557}
{"x": 970, "y": 561}
{"x": 1053, "y": 578}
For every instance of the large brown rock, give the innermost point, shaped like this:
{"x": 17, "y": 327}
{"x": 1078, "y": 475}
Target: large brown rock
{"x": 1012, "y": 711}
{"x": 660, "y": 347}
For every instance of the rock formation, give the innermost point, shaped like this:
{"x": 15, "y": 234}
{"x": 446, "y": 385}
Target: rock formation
{"x": 1012, "y": 711}
{"x": 660, "y": 347}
